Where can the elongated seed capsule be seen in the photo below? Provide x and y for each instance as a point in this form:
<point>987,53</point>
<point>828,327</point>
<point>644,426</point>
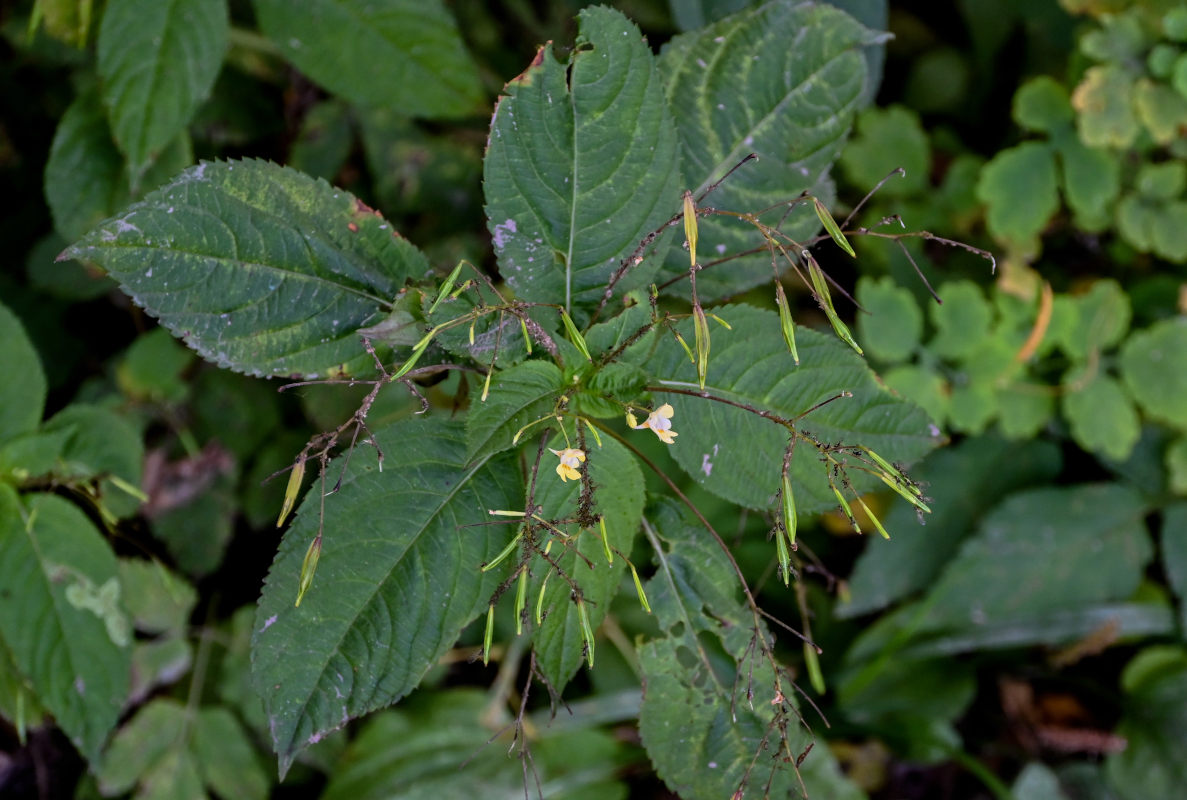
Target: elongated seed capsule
<point>605,540</point>
<point>812,662</point>
<point>506,551</point>
<point>826,302</point>
<point>783,555</point>
<point>521,595</point>
<point>873,519</point>
<point>308,567</point>
<point>830,225</point>
<point>789,515</point>
<point>890,468</point>
<point>845,507</point>
<point>540,598</point>
<point>700,327</point>
<point>527,340</point>
<point>909,496</point>
<point>785,322</point>
<point>690,227</point>
<point>489,634</point>
<point>684,344</point>
<point>447,286</point>
<point>575,335</point>
<point>292,489</point>
<point>586,631</point>
<point>486,384</point>
<point>639,587</point>
<point>597,436</point>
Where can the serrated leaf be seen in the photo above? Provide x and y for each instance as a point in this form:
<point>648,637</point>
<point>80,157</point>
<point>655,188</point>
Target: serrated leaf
<point>892,329</point>
<point>150,369</point>
<point>619,496</point>
<point>1155,226</point>
<point>22,394</point>
<point>922,386</point>
<point>1091,180</point>
<point>609,388</point>
<point>887,139</point>
<point>783,80</point>
<point>51,559</point>
<point>158,62</point>
<point>1102,418</point>
<point>964,481</point>
<point>700,728</point>
<point>257,267</point>
<point>157,600</point>
<point>404,54</point>
<point>1019,187</point>
<point>738,455</point>
<point>518,396</point>
<point>142,746</point>
<point>1097,320</point>
<point>1161,109</point>
<point>1154,368</point>
<point>399,578</point>
<point>1024,408</point>
<point>582,164</point>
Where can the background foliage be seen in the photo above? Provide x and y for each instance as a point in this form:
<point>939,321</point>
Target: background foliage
<point>1026,642</point>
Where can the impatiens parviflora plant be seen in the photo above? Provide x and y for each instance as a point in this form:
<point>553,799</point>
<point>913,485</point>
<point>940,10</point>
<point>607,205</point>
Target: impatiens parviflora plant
<point>416,528</point>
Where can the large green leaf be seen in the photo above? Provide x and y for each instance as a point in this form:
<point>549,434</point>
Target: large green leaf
<point>98,445</point>
<point>582,164</point>
<point>258,267</point>
<point>158,61</point>
<point>403,54</point>
<point>618,495</point>
<point>443,748</point>
<point>398,579</point>
<point>783,80</point>
<point>963,482</point>
<point>60,617</point>
<point>1154,725</point>
<point>22,395</point>
<point>518,396</point>
<point>738,455</point>
<point>701,728</point>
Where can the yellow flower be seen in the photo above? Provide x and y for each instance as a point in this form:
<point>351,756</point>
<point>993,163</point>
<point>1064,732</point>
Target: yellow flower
<point>571,458</point>
<point>660,421</point>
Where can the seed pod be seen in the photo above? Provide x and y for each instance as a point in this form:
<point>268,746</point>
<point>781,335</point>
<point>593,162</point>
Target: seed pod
<point>830,225</point>
<point>820,286</point>
<point>308,567</point>
<point>701,329</point>
<point>785,322</point>
<point>296,475</point>
<point>789,516</point>
<point>575,335</point>
<point>690,227</point>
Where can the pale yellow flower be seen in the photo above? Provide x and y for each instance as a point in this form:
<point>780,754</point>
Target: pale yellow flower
<point>571,458</point>
<point>660,421</point>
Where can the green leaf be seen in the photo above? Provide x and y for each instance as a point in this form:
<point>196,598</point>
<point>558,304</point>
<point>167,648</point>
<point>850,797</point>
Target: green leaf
<point>1155,226</point>
<point>146,751</point>
<point>22,395</point>
<point>1161,109</point>
<point>157,62</point>
<point>1154,368</point>
<point>518,396</point>
<point>158,663</point>
<point>324,141</point>
<point>1024,408</point>
<point>887,139</point>
<point>563,212</point>
<point>736,454</point>
<point>404,54</point>
<point>1091,181</point>
<point>99,445</point>
<point>226,757</point>
<point>609,388</point>
<point>1037,782</point>
<point>1099,320</point>
<point>1162,181</point>
<point>1154,725</point>
<point>1019,188</point>
<point>962,321</point>
<point>1102,417</point>
<point>442,747</point>
<point>1042,104</point>
<point>1174,554</point>
<point>783,80</point>
<point>258,267</point>
<point>1176,465</point>
<point>964,481</point>
<point>921,386</point>
<point>700,728</point>
<point>619,496</point>
<point>399,578</point>
<point>150,370</point>
<point>892,329</point>
<point>932,689</point>
<point>1103,101</point>
<point>60,620</point>
<point>157,600</point>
